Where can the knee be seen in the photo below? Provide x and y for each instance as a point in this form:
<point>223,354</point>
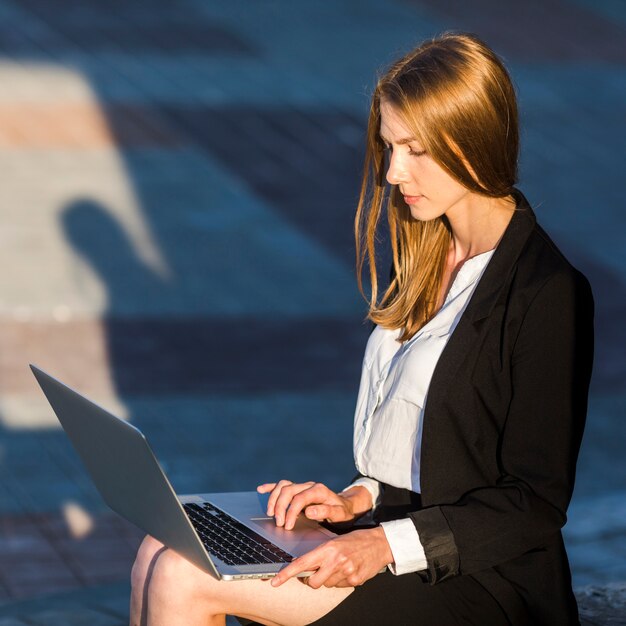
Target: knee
<point>176,581</point>
<point>145,555</point>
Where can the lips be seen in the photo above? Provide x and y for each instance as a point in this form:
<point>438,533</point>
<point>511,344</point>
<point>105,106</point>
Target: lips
<point>412,199</point>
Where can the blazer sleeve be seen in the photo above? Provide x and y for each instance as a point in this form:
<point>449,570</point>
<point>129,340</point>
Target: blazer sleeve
<point>550,371</point>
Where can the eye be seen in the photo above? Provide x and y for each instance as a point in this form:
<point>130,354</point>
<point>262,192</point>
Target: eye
<point>416,153</point>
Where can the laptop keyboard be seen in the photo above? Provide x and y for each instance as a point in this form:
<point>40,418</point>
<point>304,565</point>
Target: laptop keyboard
<point>230,540</point>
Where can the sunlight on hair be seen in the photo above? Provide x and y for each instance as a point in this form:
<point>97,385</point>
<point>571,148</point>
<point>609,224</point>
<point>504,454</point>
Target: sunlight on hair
<point>466,120</point>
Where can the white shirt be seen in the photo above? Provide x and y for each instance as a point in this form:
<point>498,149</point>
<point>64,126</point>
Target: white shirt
<point>390,406</point>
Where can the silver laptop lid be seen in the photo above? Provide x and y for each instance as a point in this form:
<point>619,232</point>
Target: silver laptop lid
<point>125,470</point>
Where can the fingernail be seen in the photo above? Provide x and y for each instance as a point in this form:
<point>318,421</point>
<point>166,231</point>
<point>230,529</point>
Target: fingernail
<point>279,521</point>
<point>312,511</point>
<point>275,582</point>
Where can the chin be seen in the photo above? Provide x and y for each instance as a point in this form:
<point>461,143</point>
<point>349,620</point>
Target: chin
<point>421,216</point>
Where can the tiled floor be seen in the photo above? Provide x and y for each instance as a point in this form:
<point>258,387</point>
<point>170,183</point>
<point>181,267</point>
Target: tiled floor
<point>40,554</point>
<point>177,186</point>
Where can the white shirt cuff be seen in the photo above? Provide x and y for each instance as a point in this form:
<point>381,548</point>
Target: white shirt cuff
<point>373,486</point>
<point>406,547</point>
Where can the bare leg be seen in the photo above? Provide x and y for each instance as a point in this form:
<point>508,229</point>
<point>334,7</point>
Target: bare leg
<point>170,591</point>
<point>141,574</point>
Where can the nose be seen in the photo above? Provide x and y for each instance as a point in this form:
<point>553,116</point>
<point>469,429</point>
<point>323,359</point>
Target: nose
<point>396,172</point>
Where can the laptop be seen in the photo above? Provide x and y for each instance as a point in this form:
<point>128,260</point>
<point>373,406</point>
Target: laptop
<point>228,535</point>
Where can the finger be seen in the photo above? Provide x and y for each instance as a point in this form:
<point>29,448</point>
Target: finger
<point>330,512</point>
<point>305,563</point>
<point>340,584</point>
<point>284,500</point>
<point>274,495</point>
<point>311,495</point>
<point>319,578</point>
<point>265,487</point>
<point>338,579</point>
<point>318,511</point>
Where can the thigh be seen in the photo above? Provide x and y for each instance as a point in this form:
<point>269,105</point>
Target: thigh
<point>176,581</point>
<point>407,600</point>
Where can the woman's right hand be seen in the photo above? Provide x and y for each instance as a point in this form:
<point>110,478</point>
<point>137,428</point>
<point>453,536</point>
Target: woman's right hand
<point>287,500</point>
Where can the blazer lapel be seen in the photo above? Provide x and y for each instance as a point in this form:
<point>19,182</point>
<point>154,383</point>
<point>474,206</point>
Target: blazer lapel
<point>496,277</point>
<point>492,286</point>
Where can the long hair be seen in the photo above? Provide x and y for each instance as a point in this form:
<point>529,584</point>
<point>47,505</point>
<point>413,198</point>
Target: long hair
<point>456,96</point>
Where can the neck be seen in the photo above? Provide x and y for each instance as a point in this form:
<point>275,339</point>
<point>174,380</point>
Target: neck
<point>478,225</point>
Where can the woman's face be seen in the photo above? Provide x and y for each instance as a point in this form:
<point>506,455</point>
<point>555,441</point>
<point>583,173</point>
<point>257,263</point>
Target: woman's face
<point>428,189</point>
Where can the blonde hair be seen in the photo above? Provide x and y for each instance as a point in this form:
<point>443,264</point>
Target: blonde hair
<point>456,96</point>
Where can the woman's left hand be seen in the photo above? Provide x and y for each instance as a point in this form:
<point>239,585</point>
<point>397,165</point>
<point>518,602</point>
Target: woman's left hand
<point>346,561</point>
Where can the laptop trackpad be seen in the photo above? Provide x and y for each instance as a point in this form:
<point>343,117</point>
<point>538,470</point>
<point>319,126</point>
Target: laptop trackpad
<point>297,541</point>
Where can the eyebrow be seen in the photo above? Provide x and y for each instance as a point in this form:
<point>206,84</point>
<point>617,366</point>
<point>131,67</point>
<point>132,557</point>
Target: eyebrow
<point>400,142</point>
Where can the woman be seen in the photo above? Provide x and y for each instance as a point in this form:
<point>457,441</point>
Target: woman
<point>473,392</point>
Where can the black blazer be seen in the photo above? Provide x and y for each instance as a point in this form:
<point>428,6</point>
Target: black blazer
<point>503,422</point>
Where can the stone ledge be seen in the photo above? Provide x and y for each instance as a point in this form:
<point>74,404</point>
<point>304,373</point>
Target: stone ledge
<point>602,605</point>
